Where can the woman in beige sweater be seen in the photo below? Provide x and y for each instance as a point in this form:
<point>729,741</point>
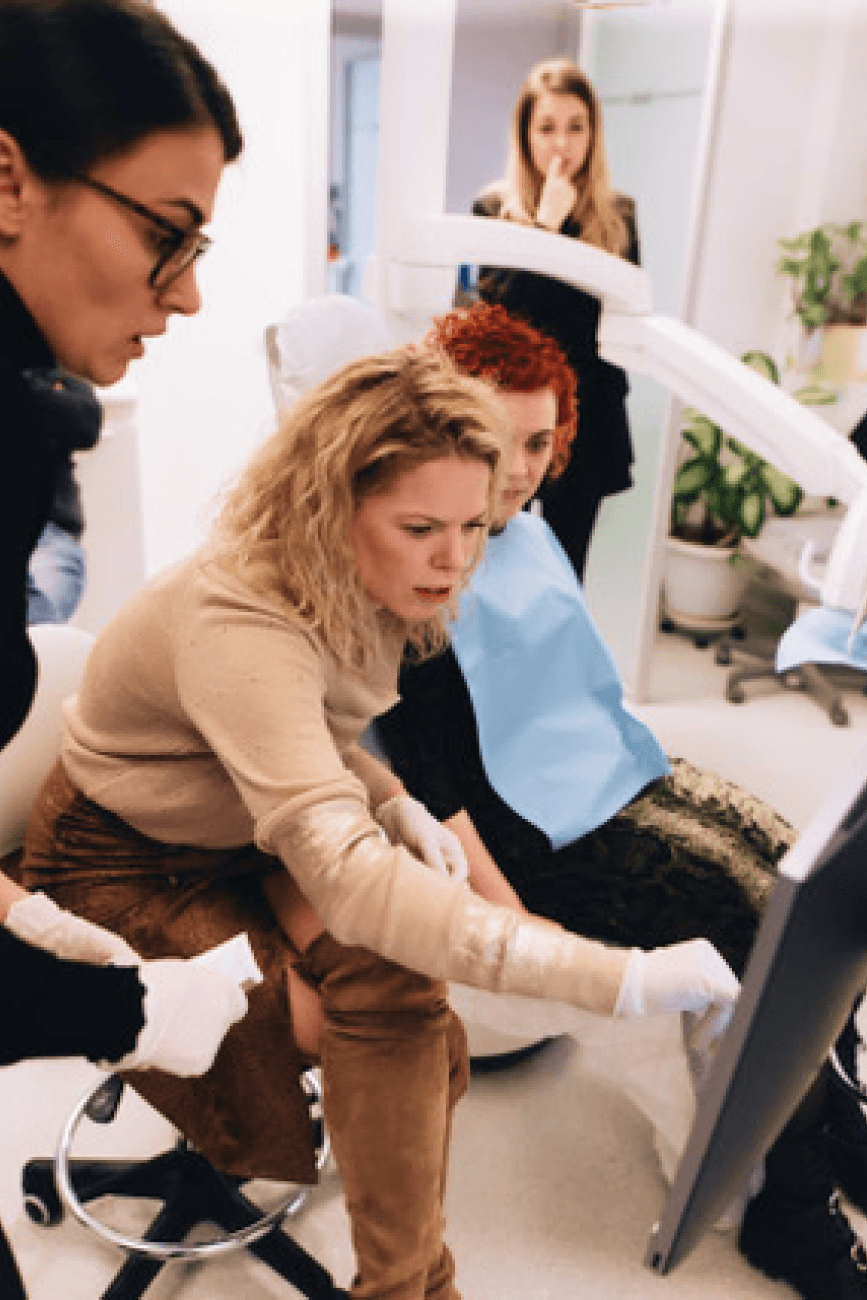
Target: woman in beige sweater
<point>212,781</point>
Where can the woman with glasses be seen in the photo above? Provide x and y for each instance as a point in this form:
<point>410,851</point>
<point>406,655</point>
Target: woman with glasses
<point>114,132</point>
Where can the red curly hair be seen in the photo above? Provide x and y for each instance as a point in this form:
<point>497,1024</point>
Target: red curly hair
<point>486,341</point>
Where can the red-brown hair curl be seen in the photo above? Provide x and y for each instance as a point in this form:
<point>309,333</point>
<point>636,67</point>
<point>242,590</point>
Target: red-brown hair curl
<point>488,342</point>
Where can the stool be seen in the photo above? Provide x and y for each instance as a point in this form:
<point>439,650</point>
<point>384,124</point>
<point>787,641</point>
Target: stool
<point>192,1191</point>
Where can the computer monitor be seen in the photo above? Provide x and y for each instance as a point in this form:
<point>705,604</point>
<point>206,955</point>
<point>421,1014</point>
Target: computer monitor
<point>808,964</point>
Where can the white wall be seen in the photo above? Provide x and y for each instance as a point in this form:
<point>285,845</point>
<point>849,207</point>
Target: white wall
<point>497,42</point>
<point>791,151</point>
<point>203,396</point>
<point>653,71</point>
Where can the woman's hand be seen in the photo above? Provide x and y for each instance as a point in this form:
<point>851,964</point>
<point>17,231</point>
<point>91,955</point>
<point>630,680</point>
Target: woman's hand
<point>37,919</point>
<point>189,1007</point>
<point>689,976</point>
<point>406,821</point>
<point>558,197</point>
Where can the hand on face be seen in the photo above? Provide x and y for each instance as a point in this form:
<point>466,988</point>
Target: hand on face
<point>558,196</point>
<point>558,139</point>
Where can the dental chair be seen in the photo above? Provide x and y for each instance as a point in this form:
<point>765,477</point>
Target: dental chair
<point>190,1189</point>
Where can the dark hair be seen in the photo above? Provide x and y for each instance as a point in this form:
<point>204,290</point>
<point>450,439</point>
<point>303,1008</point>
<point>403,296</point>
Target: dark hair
<point>81,80</point>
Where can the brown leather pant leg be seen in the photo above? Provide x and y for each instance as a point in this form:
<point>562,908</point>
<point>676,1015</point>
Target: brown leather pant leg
<point>393,1064</point>
<point>441,1278</point>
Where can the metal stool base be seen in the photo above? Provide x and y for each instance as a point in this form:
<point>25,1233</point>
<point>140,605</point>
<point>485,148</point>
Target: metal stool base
<point>192,1192</point>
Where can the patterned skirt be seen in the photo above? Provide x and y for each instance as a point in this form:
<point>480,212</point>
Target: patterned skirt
<point>693,856</point>
<point>248,1114</point>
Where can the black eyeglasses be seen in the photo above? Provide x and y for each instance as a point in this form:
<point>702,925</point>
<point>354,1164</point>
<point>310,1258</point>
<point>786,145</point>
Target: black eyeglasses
<point>180,247</point>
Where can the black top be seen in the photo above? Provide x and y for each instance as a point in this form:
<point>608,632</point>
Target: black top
<point>48,1007</point>
<point>601,460</point>
<point>432,743</point>
<point>44,415</point>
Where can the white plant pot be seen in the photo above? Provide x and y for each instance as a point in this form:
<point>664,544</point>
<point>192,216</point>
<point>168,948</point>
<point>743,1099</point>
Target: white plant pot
<point>837,354</point>
<point>703,586</point>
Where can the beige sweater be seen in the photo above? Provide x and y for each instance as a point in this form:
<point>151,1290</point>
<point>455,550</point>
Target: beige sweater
<point>210,716</point>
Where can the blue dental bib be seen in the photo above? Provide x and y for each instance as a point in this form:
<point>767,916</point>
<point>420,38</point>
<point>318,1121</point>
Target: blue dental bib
<point>557,743</point>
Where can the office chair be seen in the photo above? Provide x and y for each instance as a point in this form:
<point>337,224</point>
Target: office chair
<point>777,551</point>
<point>192,1190</point>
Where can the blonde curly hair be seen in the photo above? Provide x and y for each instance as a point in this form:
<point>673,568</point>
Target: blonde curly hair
<point>285,526</point>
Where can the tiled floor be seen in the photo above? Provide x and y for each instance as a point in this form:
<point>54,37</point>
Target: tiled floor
<point>554,1181</point>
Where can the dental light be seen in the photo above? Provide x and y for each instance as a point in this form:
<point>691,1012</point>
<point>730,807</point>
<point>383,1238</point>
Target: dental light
<point>421,248</point>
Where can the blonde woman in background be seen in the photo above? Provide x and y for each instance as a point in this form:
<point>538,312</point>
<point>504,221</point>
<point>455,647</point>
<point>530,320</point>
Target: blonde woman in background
<point>557,178</point>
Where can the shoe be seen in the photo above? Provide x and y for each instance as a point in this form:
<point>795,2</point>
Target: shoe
<point>845,1125</point>
<point>810,1246</point>
<point>846,1142</point>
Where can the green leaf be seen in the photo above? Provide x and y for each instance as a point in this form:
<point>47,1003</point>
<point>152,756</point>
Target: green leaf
<point>856,282</point>
<point>815,395</point>
<point>704,435</point>
<point>813,314</point>
<point>796,244</point>
<point>693,477</point>
<point>785,494</point>
<point>762,364</point>
<point>734,476</point>
<point>751,515</point>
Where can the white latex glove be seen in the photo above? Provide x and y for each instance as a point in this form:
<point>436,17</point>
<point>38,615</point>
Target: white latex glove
<point>689,976</point>
<point>406,821</point>
<point>557,198</point>
<point>189,1007</point>
<point>38,920</point>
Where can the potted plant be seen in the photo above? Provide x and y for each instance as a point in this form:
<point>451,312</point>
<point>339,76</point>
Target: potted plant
<point>722,492</point>
<point>828,270</point>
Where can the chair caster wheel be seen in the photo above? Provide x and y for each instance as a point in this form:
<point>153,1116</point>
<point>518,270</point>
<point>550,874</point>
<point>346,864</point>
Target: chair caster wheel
<point>723,655</point>
<point>103,1104</point>
<point>839,716</point>
<point>41,1200</point>
<point>701,642</point>
<point>735,695</point>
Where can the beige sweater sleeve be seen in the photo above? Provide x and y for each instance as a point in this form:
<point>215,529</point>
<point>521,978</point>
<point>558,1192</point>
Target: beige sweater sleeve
<point>257,695</point>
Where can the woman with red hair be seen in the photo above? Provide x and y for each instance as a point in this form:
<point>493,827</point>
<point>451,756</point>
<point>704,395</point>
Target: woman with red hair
<point>517,738</point>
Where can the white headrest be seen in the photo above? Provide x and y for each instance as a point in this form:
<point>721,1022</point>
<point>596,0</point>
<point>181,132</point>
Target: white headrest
<point>320,335</point>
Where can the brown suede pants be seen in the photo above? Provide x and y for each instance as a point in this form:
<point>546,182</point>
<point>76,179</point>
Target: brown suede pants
<point>393,1054</point>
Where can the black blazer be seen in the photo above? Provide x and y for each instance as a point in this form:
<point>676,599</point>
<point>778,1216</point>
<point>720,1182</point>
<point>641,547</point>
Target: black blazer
<point>603,446</point>
<point>44,415</point>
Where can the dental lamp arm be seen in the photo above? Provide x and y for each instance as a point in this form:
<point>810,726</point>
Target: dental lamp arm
<point>447,241</point>
<point>765,419</point>
<point>744,403</point>
<point>416,275</point>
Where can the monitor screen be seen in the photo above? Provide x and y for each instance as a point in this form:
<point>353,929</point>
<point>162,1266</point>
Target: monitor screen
<point>808,964</point>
